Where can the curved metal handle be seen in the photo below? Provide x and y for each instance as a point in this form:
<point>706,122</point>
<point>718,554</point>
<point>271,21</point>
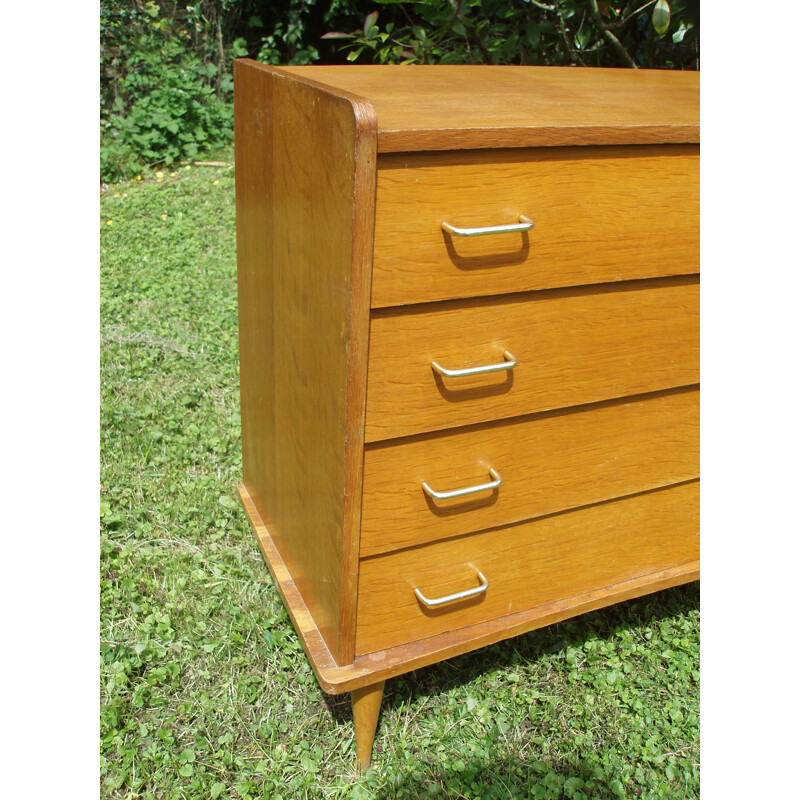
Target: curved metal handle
<point>481,487</point>
<point>524,224</point>
<point>438,601</point>
<point>509,363</point>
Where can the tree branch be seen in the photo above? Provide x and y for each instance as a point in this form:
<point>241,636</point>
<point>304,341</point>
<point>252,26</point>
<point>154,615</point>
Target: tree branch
<point>634,13</point>
<point>562,29</point>
<point>615,43</point>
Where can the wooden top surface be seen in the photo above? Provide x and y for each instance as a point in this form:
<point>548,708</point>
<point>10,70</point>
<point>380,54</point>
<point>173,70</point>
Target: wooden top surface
<point>447,107</point>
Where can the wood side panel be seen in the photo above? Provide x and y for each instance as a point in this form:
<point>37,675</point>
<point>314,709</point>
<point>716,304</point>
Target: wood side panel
<point>369,668</point>
<point>305,161</point>
<point>600,214</point>
<point>572,346</point>
<point>445,107</point>
<point>526,565</point>
<point>548,463</point>
<point>314,643</point>
<point>363,221</point>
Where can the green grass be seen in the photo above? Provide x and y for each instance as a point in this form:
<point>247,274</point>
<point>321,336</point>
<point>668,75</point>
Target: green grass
<point>205,689</point>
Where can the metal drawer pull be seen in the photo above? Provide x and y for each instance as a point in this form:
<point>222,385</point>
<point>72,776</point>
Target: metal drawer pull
<point>524,224</point>
<point>481,487</point>
<point>438,601</point>
<point>509,363</point>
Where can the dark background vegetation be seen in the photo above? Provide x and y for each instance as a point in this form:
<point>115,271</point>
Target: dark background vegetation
<point>166,80</point>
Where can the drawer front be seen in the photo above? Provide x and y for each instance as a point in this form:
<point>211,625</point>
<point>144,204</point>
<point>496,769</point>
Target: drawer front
<point>526,565</point>
<point>546,463</point>
<point>600,214</point>
<point>571,346</point>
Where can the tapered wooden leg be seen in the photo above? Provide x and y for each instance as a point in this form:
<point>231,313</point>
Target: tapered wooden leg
<point>366,707</point>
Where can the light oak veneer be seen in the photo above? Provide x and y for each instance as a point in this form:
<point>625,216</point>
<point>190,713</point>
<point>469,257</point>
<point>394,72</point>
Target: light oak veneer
<point>380,665</point>
<point>600,214</point>
<point>527,565</point>
<point>349,289</point>
<point>460,107</point>
<point>572,346</point>
<point>305,162</point>
<point>548,462</point>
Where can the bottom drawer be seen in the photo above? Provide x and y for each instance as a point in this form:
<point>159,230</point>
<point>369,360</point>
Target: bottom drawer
<point>525,565</point>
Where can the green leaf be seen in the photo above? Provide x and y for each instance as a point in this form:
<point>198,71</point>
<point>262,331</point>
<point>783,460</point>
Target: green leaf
<point>679,34</point>
<point>187,756</point>
<point>217,789</point>
<point>616,787</point>
<point>661,16</point>
<point>533,33</point>
<point>369,22</point>
<point>308,765</point>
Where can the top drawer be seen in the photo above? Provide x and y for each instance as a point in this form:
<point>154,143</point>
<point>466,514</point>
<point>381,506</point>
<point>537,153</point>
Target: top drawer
<point>600,214</point>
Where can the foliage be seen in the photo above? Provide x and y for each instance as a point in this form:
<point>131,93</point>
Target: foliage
<point>166,84</point>
<point>205,691</point>
<point>161,100</point>
<point>173,113</point>
<point>166,70</point>
<point>562,32</point>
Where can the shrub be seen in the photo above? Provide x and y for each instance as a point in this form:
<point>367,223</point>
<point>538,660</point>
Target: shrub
<point>173,113</point>
<point>594,33</point>
<point>162,97</point>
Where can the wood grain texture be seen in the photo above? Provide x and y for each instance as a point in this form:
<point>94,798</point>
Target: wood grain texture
<point>306,180</point>
<point>305,167</point>
<point>384,664</point>
<point>548,462</point>
<point>453,107</point>
<point>572,346</point>
<point>314,643</point>
<point>600,214</point>
<point>366,702</point>
<point>527,565</point>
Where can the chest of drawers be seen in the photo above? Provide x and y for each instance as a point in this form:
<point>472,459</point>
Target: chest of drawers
<point>469,351</point>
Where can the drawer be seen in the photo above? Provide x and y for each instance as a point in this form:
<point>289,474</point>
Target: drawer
<point>571,346</point>
<point>526,565</point>
<point>546,463</point>
<point>599,214</point>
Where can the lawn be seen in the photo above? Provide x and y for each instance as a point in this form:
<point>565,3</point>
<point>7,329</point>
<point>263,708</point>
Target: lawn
<point>205,690</point>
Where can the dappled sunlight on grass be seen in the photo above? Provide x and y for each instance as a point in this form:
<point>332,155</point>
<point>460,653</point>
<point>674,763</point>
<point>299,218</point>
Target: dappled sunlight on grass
<point>206,692</point>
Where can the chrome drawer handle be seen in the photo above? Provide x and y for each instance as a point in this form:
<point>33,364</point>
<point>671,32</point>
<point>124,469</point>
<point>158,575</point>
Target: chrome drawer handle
<point>438,601</point>
<point>481,487</point>
<point>524,224</point>
<point>509,363</point>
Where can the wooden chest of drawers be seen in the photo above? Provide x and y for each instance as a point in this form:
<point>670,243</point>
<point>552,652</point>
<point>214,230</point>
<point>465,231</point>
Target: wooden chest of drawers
<point>452,435</point>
